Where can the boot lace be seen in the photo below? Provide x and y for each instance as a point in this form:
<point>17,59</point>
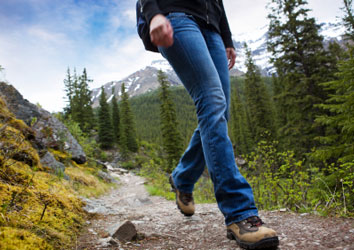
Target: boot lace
<point>186,198</point>
<point>255,221</point>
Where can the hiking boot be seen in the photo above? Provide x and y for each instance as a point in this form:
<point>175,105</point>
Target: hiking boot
<point>184,201</point>
<point>250,234</point>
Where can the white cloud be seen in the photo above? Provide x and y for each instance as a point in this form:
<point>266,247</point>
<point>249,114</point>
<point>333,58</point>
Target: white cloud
<point>130,15</point>
<point>120,60</point>
<point>246,16</point>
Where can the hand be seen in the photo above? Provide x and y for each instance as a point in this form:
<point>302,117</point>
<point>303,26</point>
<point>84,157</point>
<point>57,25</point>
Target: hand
<point>231,56</point>
<point>161,31</point>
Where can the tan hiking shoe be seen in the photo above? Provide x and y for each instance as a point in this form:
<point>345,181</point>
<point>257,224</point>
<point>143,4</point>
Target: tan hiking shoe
<point>250,234</point>
<point>184,201</point>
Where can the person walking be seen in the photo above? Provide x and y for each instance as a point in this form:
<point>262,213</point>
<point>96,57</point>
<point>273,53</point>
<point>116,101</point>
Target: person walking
<point>195,38</point>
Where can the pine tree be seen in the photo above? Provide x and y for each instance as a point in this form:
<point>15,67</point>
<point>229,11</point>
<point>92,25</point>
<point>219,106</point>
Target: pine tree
<point>302,64</point>
<point>348,19</point>
<point>86,113</point>
<point>79,100</point>
<point>115,117</point>
<point>258,101</point>
<point>69,89</point>
<point>241,135</point>
<point>105,129</point>
<point>171,139</point>
<point>338,144</point>
<point>127,127</point>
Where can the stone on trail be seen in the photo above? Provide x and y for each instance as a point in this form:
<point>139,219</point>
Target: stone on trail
<point>126,232</point>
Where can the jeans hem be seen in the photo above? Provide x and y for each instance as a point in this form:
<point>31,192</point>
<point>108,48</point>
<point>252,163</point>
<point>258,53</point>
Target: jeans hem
<point>180,189</point>
<point>242,217</point>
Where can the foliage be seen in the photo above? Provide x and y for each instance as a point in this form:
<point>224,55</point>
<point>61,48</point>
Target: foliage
<point>115,118</point>
<point>348,19</point>
<point>105,128</point>
<point>240,132</point>
<point>333,190</point>
<point>127,125</point>
<point>338,144</point>
<point>88,144</point>
<point>302,64</point>
<point>336,148</point>
<point>258,102</point>
<point>171,139</point>
<point>152,167</point>
<point>79,100</point>
<point>277,178</point>
<point>146,110</point>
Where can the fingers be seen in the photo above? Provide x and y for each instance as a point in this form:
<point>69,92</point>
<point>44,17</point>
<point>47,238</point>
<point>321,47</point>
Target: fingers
<point>161,31</point>
<point>231,56</point>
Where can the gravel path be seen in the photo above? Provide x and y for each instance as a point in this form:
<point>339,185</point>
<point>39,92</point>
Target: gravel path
<point>161,226</point>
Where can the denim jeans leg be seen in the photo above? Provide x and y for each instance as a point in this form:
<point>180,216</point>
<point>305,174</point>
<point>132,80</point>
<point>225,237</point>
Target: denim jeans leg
<point>195,56</point>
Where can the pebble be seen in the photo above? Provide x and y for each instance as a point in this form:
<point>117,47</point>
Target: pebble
<point>193,218</point>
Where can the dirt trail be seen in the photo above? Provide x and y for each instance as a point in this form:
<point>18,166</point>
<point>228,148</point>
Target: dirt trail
<point>165,228</point>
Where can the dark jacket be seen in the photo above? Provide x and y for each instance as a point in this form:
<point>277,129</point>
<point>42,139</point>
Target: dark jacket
<point>209,13</point>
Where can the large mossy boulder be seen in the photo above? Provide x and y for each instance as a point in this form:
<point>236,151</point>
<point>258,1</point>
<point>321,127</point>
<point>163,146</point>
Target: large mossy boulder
<point>49,132</point>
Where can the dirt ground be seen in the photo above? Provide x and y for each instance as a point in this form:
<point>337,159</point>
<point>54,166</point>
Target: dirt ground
<point>161,225</point>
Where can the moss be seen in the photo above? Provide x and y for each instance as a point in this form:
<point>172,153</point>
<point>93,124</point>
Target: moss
<point>86,183</point>
<point>35,206</point>
<point>38,210</point>
<point>15,239</point>
<point>62,157</point>
<point>15,146</point>
<point>46,205</point>
<point>7,117</point>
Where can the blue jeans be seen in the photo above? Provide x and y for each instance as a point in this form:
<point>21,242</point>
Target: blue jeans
<point>198,57</point>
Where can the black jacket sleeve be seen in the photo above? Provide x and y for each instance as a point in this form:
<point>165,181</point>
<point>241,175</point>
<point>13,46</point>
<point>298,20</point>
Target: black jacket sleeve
<point>150,9</point>
<point>225,29</point>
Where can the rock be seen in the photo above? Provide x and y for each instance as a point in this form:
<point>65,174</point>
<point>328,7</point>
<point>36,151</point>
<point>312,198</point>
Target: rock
<point>49,131</point>
<point>240,161</point>
<point>49,161</point>
<point>126,232</point>
<point>119,170</point>
<point>106,177</point>
<point>113,242</point>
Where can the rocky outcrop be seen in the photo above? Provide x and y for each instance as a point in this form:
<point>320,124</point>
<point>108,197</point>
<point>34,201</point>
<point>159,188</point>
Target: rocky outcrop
<point>49,160</point>
<point>49,131</point>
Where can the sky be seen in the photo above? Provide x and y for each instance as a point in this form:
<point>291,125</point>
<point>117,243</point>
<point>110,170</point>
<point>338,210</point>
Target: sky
<point>41,39</point>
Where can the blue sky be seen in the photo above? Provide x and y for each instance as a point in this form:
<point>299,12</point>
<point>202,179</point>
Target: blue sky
<point>39,39</point>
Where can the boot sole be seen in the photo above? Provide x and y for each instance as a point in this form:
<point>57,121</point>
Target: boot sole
<point>267,243</point>
<point>173,189</point>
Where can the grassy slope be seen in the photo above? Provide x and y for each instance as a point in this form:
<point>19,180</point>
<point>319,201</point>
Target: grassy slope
<point>39,210</point>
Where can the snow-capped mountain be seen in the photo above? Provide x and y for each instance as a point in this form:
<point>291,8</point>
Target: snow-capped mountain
<point>140,82</point>
<point>145,80</point>
<point>257,43</point>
